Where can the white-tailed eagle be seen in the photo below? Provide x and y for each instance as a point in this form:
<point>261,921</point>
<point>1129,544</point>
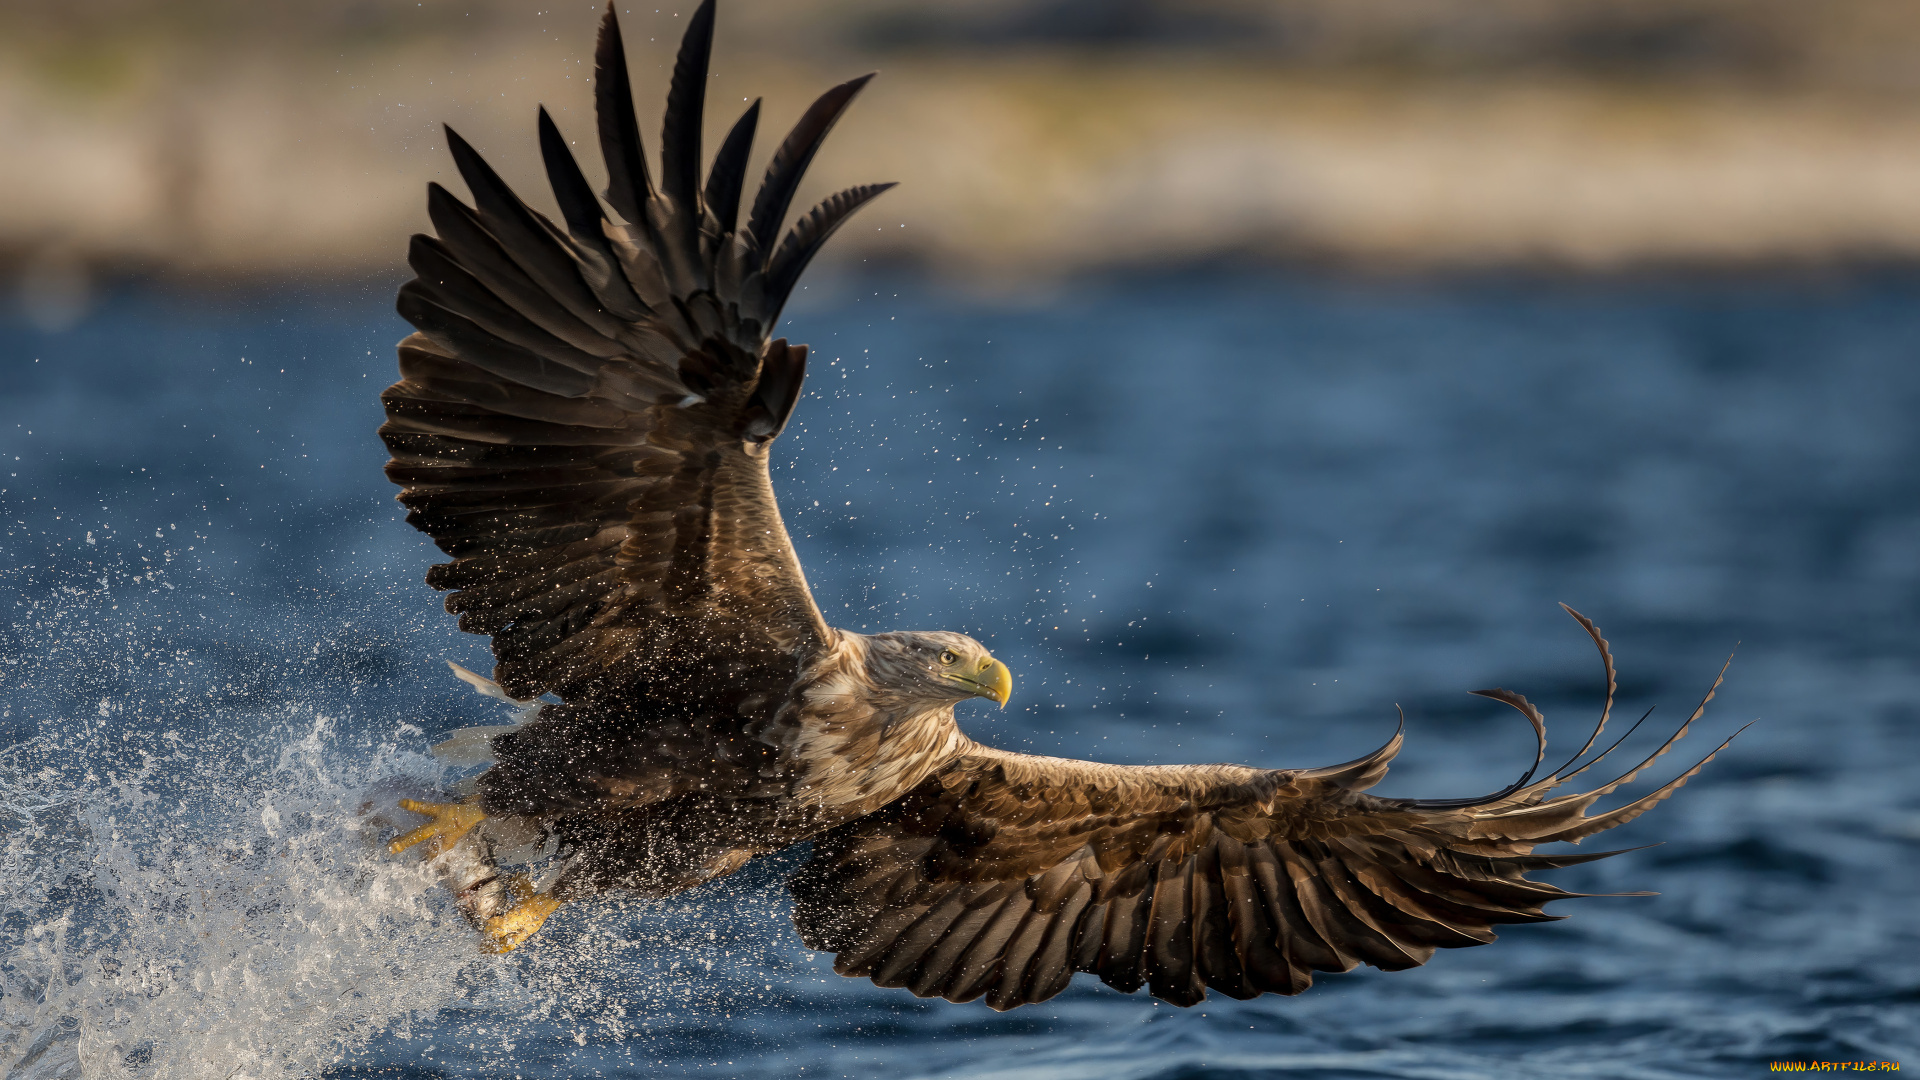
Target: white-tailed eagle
<point>584,422</point>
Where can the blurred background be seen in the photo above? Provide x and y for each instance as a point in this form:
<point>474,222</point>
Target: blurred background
<point>1237,371</point>
<point>226,138</point>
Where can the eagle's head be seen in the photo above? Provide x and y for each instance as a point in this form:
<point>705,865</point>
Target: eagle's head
<point>936,668</point>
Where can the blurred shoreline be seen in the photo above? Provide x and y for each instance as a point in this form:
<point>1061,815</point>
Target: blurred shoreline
<point>211,143</point>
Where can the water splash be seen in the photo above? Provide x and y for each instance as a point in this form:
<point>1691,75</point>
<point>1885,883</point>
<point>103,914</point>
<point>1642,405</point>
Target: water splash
<point>203,910</point>
<point>194,884</point>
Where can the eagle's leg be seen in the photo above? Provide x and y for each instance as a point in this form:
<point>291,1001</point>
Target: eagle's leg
<point>451,821</point>
<point>504,907</point>
<point>511,929</point>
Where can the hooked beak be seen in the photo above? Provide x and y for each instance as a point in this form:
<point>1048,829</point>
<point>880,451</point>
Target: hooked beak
<point>992,681</point>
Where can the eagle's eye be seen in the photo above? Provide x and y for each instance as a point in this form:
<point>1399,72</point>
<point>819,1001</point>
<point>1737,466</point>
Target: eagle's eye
<point>948,658</point>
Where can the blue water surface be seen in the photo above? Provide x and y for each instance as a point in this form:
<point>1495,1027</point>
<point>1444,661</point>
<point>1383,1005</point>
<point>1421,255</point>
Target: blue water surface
<point>1204,517</point>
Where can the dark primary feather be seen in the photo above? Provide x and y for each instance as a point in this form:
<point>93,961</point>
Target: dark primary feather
<point>806,236</point>
<point>582,421</point>
<point>628,185</point>
<point>587,241</point>
<point>1003,874</point>
<point>487,352</point>
<point>790,162</point>
<point>528,239</point>
<point>1613,686</point>
<point>1525,708</point>
<point>450,285</point>
<point>477,251</point>
<point>686,98</point>
<point>676,217</point>
<point>570,188</point>
<point>729,175</point>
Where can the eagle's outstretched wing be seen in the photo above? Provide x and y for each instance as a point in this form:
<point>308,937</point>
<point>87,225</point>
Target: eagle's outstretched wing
<point>1004,874</point>
<point>584,415</point>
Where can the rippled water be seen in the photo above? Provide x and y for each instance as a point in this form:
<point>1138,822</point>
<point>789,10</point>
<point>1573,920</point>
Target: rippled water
<point>1203,518</point>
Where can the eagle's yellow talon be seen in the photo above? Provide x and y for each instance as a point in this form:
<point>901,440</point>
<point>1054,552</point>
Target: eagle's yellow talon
<point>451,821</point>
<point>510,930</point>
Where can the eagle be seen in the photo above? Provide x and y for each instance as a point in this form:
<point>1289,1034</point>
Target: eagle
<point>584,422</point>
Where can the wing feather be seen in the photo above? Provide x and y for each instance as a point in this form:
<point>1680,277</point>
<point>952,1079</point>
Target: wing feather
<point>809,233</point>
<point>447,283</point>
<point>1020,871</point>
<point>591,249</point>
<point>686,100</point>
<point>476,250</point>
<point>728,178</point>
<point>629,187</point>
<point>791,160</point>
<point>528,238</point>
<point>584,416</point>
<point>1051,967</point>
<point>678,215</point>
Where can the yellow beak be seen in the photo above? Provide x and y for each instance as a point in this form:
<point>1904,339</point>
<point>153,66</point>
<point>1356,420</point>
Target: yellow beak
<point>992,681</point>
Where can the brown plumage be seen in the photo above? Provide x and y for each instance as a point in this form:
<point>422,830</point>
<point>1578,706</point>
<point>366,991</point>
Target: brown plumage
<point>584,423</point>
<point>1003,874</point>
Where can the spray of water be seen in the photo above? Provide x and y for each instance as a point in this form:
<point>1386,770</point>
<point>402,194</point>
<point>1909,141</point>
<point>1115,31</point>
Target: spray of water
<point>191,911</point>
<point>196,886</point>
